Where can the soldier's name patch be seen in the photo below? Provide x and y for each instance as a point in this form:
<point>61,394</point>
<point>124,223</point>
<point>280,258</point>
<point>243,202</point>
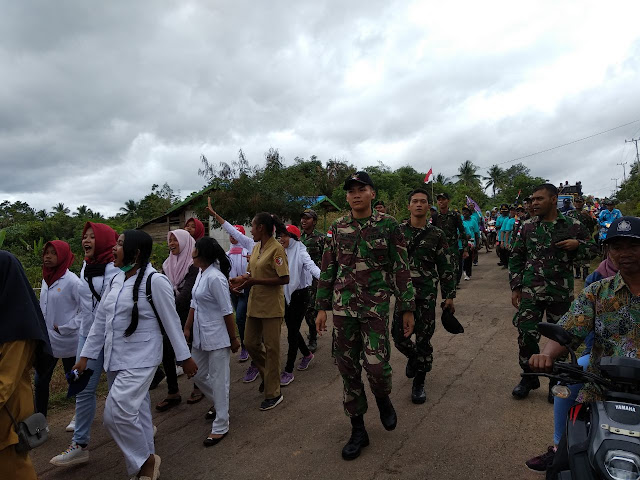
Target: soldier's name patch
<point>279,260</point>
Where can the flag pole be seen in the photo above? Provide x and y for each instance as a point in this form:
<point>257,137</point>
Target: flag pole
<point>432,197</point>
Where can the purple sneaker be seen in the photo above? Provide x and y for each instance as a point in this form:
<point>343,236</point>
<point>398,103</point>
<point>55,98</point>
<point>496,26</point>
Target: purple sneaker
<point>286,378</point>
<point>304,363</point>
<point>251,375</point>
<point>244,355</point>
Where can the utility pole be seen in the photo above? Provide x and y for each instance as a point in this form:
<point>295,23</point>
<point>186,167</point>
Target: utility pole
<point>635,140</point>
<point>616,190</point>
<point>624,175</point>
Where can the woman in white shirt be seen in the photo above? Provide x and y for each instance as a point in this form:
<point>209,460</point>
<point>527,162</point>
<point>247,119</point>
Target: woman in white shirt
<point>59,303</point>
<point>214,331</point>
<point>127,327</point>
<point>296,294</point>
<point>97,271</point>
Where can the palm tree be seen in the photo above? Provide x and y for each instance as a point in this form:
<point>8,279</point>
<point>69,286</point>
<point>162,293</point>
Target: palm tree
<point>60,208</point>
<point>494,179</point>
<point>130,208</point>
<point>467,174</point>
<point>83,211</point>
<point>440,178</point>
<point>42,215</point>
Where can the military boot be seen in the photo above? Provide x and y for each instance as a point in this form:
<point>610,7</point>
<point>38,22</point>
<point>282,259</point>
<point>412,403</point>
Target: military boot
<point>418,395</point>
<point>410,371</point>
<point>585,272</point>
<point>525,386</point>
<point>388,415</point>
<point>577,269</point>
<point>359,439</point>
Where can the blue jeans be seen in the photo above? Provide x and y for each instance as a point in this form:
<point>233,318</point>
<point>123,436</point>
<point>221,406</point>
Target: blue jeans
<point>86,399</point>
<point>240,305</point>
<point>561,406</point>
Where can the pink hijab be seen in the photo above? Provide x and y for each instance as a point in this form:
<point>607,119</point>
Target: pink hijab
<point>175,267</point>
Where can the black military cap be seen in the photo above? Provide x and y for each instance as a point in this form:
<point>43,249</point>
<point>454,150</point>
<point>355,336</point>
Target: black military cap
<point>442,195</point>
<point>309,213</point>
<point>359,177</point>
<point>504,206</point>
<point>378,202</point>
<point>450,322</point>
<point>608,202</point>
<point>627,227</point>
<point>466,208</point>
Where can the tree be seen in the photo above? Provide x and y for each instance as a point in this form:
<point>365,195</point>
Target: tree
<point>467,174</point>
<point>494,178</point>
<point>60,208</point>
<point>42,215</point>
<point>83,211</point>
<point>130,208</point>
<point>441,179</point>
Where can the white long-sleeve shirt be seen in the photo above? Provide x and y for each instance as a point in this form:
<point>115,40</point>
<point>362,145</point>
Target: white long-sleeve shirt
<point>211,302</point>
<point>301,268</point>
<point>243,240</point>
<point>143,348</point>
<point>88,303</point>
<point>59,304</point>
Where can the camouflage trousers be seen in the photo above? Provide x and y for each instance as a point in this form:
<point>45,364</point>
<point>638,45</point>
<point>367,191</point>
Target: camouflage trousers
<point>526,320</point>
<point>425,325</point>
<point>311,312</point>
<point>362,342</point>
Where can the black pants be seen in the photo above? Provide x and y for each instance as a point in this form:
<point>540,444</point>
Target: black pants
<point>43,378</point>
<point>504,256</point>
<point>293,315</point>
<point>467,264</point>
<point>560,460</point>
<point>169,364</point>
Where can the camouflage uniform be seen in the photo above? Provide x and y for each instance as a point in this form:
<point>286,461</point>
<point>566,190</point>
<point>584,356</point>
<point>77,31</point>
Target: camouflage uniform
<point>431,253</point>
<point>590,223</point>
<point>315,244</point>
<point>451,224</point>
<point>363,264</point>
<point>544,274</point>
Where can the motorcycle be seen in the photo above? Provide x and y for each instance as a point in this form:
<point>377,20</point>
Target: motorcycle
<point>491,232</point>
<point>603,437</point>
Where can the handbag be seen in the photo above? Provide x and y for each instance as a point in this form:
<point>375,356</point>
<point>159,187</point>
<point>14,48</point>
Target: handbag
<point>32,432</point>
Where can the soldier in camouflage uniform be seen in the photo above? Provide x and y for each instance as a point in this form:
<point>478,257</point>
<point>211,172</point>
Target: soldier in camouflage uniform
<point>540,272</point>
<point>590,223</point>
<point>363,264</point>
<point>429,261</point>
<point>313,239</point>
<point>451,224</point>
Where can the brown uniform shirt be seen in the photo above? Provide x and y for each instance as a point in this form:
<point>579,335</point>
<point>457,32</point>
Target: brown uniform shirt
<point>267,301</point>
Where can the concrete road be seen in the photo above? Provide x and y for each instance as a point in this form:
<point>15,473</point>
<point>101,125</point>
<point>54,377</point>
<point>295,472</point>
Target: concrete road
<point>470,427</point>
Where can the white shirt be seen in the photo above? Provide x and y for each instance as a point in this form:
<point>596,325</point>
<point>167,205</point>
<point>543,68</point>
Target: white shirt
<point>301,268</point>
<point>211,301</point>
<point>243,240</point>
<point>143,348</point>
<point>59,304</point>
<point>238,261</point>
<point>88,303</point>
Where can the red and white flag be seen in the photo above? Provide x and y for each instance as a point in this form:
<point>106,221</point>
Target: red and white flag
<point>428,175</point>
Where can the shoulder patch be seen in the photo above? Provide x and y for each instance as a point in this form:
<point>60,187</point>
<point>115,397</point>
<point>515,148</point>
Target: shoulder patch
<point>279,261</point>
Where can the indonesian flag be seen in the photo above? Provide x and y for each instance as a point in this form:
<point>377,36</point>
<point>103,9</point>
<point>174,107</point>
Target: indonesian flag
<point>428,175</point>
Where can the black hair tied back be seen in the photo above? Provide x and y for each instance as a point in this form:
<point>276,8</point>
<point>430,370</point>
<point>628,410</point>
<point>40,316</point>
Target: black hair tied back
<point>211,252</point>
<point>136,244</point>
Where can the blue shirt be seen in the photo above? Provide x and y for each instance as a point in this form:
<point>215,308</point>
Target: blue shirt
<point>471,227</point>
<point>507,226</point>
<point>607,216</point>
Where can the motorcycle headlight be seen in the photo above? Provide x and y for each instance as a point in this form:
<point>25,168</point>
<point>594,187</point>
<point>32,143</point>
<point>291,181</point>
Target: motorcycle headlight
<point>622,465</point>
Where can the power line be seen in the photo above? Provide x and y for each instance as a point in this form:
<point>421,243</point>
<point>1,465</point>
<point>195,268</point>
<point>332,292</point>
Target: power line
<point>564,144</point>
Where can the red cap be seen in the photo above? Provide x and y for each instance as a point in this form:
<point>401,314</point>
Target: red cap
<point>240,228</point>
<point>293,230</point>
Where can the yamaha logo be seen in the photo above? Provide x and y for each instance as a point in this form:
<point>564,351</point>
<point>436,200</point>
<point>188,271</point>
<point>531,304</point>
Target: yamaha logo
<point>624,226</point>
<point>627,408</point>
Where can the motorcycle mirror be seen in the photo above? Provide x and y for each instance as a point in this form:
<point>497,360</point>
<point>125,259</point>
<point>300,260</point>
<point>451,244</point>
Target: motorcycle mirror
<point>556,333</point>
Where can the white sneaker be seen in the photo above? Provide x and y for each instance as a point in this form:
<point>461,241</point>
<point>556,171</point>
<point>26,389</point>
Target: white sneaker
<point>72,425</point>
<point>73,455</point>
<point>467,277</point>
<point>155,430</point>
<point>179,371</point>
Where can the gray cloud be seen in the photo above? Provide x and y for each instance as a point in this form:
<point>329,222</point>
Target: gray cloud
<point>100,100</point>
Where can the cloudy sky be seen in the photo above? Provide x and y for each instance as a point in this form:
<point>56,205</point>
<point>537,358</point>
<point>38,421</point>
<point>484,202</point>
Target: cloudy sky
<point>99,100</point>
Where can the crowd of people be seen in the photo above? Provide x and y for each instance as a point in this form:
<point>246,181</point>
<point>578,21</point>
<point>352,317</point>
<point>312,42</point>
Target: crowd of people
<point>141,326</point>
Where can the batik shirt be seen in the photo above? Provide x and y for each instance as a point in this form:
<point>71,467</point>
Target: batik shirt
<point>609,309</point>
<point>363,264</point>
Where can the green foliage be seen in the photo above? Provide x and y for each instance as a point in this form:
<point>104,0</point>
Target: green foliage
<point>629,194</point>
<point>3,234</point>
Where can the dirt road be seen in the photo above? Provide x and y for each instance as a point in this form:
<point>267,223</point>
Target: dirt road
<point>470,427</point>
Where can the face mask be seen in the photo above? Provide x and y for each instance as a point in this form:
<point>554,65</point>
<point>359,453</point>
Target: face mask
<point>127,268</point>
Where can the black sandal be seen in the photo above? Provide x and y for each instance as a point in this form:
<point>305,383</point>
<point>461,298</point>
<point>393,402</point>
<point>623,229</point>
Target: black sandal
<point>210,442</point>
<point>211,414</point>
<point>168,403</point>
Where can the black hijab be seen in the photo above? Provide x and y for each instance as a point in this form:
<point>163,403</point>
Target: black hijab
<point>20,314</point>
